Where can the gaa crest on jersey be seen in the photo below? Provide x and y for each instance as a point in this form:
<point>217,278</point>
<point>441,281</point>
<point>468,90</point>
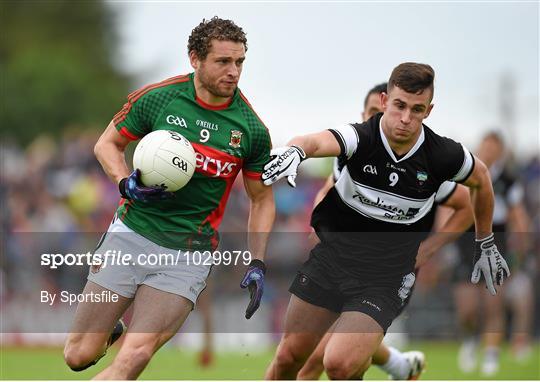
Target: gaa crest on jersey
<point>236,138</point>
<point>421,176</point>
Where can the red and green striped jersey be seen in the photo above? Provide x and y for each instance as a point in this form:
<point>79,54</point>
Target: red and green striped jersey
<point>226,139</point>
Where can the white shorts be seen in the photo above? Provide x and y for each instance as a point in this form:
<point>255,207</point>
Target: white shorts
<point>129,260</point>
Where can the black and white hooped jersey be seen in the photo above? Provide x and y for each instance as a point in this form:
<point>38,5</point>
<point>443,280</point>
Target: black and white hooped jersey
<point>444,192</point>
<point>379,191</point>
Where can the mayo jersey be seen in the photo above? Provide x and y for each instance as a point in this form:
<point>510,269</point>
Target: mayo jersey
<point>227,139</point>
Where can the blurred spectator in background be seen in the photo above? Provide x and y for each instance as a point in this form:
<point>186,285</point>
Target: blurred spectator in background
<point>509,216</point>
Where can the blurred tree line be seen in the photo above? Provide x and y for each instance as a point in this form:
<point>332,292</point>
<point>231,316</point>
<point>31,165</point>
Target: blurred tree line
<point>56,67</point>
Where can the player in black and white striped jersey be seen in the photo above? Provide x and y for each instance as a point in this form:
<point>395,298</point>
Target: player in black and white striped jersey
<point>371,225</point>
<point>399,365</point>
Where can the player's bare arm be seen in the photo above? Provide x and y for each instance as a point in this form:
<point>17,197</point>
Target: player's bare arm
<point>109,151</point>
<point>318,145</point>
<point>460,219</point>
<point>261,218</point>
<point>262,212</point>
<point>488,260</point>
<point>482,198</point>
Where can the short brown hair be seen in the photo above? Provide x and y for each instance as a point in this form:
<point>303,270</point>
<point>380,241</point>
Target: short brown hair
<point>223,30</point>
<point>412,77</point>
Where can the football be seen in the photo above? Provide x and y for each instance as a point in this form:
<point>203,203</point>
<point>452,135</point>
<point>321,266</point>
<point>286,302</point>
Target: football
<point>165,158</point>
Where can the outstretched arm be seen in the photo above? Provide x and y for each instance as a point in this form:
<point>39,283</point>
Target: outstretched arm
<point>317,145</point>
<point>285,160</point>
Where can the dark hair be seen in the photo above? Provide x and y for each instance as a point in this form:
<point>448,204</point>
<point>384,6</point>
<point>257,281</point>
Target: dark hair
<point>219,29</point>
<point>377,89</point>
<point>412,77</point>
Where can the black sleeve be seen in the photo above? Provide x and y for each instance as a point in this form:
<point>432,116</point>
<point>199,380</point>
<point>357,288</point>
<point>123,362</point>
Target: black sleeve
<point>453,161</point>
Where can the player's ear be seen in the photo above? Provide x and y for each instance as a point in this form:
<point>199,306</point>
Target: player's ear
<point>194,60</point>
<point>430,107</point>
<point>384,100</point>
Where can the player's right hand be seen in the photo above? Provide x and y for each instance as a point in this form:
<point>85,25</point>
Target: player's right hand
<point>490,263</point>
<point>284,162</point>
<point>133,189</point>
<point>254,280</point>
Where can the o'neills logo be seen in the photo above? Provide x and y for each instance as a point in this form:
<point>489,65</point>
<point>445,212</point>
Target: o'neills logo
<point>214,163</point>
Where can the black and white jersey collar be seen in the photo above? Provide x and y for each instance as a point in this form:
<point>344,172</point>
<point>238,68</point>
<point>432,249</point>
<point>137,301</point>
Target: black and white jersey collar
<point>389,149</point>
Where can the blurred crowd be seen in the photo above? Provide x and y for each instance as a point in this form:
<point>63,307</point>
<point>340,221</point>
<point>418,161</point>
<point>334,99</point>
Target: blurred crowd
<point>57,188</point>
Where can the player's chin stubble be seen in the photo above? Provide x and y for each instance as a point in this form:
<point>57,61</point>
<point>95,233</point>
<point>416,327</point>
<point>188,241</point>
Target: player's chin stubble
<point>213,87</point>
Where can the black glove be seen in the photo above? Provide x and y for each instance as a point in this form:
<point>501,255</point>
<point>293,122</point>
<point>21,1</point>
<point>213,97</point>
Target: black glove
<point>132,188</point>
<point>254,281</point>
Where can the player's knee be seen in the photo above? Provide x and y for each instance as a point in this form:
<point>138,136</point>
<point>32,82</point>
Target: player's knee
<point>284,358</point>
<point>289,356</point>
<point>336,369</point>
<point>77,358</point>
<point>343,368</point>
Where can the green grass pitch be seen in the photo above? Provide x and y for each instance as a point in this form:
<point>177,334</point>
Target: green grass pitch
<point>173,363</point>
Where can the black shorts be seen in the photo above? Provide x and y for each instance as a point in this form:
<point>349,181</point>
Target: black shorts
<point>326,284</point>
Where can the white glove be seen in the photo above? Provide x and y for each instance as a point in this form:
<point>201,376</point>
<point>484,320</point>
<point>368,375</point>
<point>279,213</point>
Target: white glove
<point>284,162</point>
<point>490,263</point>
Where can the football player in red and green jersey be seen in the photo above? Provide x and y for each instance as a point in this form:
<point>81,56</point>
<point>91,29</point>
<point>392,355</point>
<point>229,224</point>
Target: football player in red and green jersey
<point>209,110</point>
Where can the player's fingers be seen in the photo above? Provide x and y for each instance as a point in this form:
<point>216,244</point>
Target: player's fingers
<point>252,306</point>
<point>269,164</point>
<point>506,269</point>
<point>269,181</point>
<point>476,274</point>
<point>493,269</point>
<point>255,301</point>
<point>266,175</point>
<point>163,195</point>
<point>501,275</point>
<point>489,283</point>
<point>291,180</point>
<point>157,193</point>
<point>500,278</point>
<point>277,151</point>
<point>245,282</point>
